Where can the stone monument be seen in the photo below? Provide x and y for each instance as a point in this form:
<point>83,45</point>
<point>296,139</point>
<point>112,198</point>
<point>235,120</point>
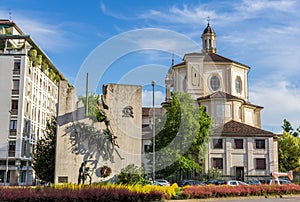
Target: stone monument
<point>105,146</point>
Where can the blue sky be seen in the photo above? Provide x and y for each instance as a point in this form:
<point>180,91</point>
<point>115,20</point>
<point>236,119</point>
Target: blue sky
<point>262,34</point>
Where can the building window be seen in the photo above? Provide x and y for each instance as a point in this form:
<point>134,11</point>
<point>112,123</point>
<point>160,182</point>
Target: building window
<point>12,148</point>
<point>260,163</point>
<point>215,83</point>
<point>217,143</point>
<point>217,163</point>
<point>238,84</point>
<point>14,107</point>
<point>14,104</point>
<point>147,148</point>
<point>17,67</point>
<point>238,144</point>
<point>13,125</point>
<point>260,144</point>
<point>15,87</point>
<point>16,84</point>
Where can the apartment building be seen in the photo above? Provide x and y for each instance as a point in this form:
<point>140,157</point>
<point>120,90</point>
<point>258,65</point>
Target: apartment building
<point>29,94</point>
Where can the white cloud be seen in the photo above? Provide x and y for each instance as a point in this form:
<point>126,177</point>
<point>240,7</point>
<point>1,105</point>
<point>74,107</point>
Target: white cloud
<point>185,14</point>
<point>49,36</point>
<point>259,5</point>
<point>147,98</point>
<point>280,101</point>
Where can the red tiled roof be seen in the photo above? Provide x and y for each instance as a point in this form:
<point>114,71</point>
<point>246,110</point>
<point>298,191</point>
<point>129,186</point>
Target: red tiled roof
<point>220,94</point>
<point>213,57</point>
<point>234,128</point>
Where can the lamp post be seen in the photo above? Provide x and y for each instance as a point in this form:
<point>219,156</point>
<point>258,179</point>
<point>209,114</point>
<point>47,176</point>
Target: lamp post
<point>153,130</point>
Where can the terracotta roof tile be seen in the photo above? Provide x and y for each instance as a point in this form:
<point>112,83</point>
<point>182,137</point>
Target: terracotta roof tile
<point>220,94</point>
<point>234,128</point>
<point>213,57</point>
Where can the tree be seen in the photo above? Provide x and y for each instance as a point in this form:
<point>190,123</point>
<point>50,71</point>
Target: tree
<point>94,102</point>
<point>181,142</point>
<point>289,152</point>
<point>44,154</point>
<point>287,127</point>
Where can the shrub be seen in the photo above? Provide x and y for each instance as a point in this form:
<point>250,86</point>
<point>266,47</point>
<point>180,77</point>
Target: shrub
<point>230,191</point>
<point>131,175</point>
<point>77,193</point>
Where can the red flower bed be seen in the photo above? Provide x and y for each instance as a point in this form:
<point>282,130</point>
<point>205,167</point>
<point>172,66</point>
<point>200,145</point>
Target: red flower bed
<point>229,191</point>
<point>84,194</point>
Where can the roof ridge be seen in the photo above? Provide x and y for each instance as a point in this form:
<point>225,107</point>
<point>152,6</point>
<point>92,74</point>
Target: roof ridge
<point>222,94</point>
<point>223,57</point>
<point>243,129</point>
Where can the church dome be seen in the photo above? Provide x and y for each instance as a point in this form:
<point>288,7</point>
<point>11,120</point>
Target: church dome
<point>208,30</point>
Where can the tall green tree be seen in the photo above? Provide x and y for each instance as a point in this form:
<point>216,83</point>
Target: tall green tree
<point>182,137</point>
<point>289,152</point>
<point>287,127</point>
<point>44,153</point>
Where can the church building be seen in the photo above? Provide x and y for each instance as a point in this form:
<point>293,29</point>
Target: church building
<point>239,148</point>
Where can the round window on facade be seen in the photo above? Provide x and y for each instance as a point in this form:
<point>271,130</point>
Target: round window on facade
<point>215,83</point>
<point>238,84</point>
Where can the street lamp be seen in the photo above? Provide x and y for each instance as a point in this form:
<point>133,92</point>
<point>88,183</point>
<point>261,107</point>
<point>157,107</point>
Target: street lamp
<point>153,130</point>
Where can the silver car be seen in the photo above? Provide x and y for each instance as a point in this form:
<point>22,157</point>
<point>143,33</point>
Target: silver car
<point>161,182</point>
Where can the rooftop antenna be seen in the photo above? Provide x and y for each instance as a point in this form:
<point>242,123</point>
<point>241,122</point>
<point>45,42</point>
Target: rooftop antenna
<point>9,14</point>
<point>172,59</point>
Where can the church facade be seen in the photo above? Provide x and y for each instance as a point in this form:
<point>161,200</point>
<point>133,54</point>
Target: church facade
<point>239,148</point>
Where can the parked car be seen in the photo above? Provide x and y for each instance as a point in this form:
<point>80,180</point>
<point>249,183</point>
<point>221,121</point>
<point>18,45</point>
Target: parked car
<point>253,182</point>
<point>161,182</point>
<point>235,183</point>
<point>211,182</point>
<point>190,182</point>
<point>281,181</point>
<point>215,182</point>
